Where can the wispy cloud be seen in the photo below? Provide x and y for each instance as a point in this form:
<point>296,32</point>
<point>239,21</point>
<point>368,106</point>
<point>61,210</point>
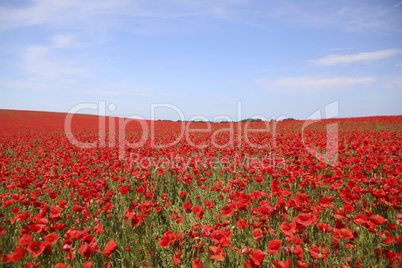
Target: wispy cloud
<point>335,59</point>
<point>226,98</point>
<point>114,93</point>
<point>44,61</point>
<point>307,84</point>
<point>40,61</point>
<point>62,40</point>
<point>140,16</point>
<point>105,15</point>
<point>392,82</point>
<point>398,5</point>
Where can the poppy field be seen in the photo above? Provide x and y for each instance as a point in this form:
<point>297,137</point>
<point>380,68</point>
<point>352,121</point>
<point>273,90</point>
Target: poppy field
<point>217,197</point>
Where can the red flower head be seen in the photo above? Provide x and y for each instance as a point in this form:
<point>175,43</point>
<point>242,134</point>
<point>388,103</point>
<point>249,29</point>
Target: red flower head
<point>110,247</point>
<point>257,256</point>
<point>227,211</point>
<point>378,220</point>
<point>124,189</point>
<point>274,246</point>
<point>257,233</point>
<point>241,224</point>
<point>324,228</point>
<point>305,219</point>
<point>288,228</point>
<point>167,238</point>
<point>217,253</point>
<point>36,248</point>
<point>18,254</point>
<point>196,264</point>
<point>51,238</point>
<point>282,264</point>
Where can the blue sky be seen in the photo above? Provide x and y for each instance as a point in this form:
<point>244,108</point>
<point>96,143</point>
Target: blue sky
<point>278,58</point>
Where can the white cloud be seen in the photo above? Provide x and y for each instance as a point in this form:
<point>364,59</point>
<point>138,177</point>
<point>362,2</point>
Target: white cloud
<point>308,84</point>
<point>226,98</point>
<point>104,15</point>
<point>56,13</point>
<point>62,40</point>
<point>114,92</point>
<point>335,59</point>
<point>41,62</point>
<point>397,5</point>
<point>392,82</point>
<point>143,16</point>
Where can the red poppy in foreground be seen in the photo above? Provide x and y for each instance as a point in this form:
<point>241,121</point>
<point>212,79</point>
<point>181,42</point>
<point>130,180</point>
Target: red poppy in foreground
<point>257,234</point>
<point>18,254</point>
<point>217,253</point>
<point>274,246</point>
<point>227,211</point>
<point>241,224</point>
<point>110,247</point>
<point>51,238</point>
<point>196,264</point>
<point>378,220</point>
<point>257,256</point>
<point>305,219</point>
<point>166,239</point>
<point>282,264</point>
<point>288,228</point>
<point>36,248</point>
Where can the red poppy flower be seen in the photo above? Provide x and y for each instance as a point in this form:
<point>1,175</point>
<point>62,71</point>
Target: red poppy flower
<point>300,264</point>
<point>241,224</point>
<point>274,246</point>
<point>187,206</point>
<point>18,254</point>
<point>257,256</point>
<point>31,265</point>
<point>36,248</point>
<point>217,253</point>
<point>324,228</point>
<point>386,237</point>
<point>347,209</point>
<point>55,213</point>
<point>378,220</point>
<point>209,204</point>
<point>77,208</point>
<point>196,264</point>
<point>51,238</point>
<point>221,237</point>
<point>167,238</point>
<point>305,219</point>
<point>25,239</point>
<point>88,249</point>
<point>288,228</point>
<point>60,265</point>
<point>282,264</point>
<point>110,247</point>
<point>227,211</point>
<point>257,233</point>
<point>317,253</point>
<point>176,258</point>
<point>199,211</point>
<point>21,217</point>
<point>88,264</point>
<point>360,219</point>
<point>297,251</point>
<point>124,189</point>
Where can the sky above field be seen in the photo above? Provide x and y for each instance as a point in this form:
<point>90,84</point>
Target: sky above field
<point>276,58</point>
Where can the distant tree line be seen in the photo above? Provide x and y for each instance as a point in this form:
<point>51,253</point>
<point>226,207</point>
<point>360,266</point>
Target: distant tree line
<point>242,121</point>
